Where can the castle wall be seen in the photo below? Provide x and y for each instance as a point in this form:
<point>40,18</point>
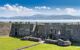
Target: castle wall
<point>47,30</point>
<point>5,29</point>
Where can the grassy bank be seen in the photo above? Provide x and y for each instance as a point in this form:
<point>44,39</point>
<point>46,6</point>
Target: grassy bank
<point>9,43</point>
<point>53,47</point>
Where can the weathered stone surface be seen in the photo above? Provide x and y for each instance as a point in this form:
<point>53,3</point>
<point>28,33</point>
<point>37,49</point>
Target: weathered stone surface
<point>51,41</point>
<point>34,39</point>
<point>48,31</point>
<point>5,29</point>
<point>64,43</point>
<point>20,30</point>
<point>25,38</point>
<point>75,36</point>
<point>31,38</point>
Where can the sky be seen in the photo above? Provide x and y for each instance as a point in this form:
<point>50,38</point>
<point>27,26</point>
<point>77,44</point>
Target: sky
<point>11,8</point>
<point>51,3</point>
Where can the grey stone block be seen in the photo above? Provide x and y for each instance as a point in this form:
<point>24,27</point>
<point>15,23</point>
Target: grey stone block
<point>31,39</point>
<point>51,41</point>
<point>63,43</point>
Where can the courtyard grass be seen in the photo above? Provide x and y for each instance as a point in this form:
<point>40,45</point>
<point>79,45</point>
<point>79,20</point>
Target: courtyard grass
<point>53,47</point>
<point>9,43</point>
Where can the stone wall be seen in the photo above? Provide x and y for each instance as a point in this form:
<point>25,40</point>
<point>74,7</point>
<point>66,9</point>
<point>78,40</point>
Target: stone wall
<point>47,30</point>
<point>5,29</point>
<point>20,30</point>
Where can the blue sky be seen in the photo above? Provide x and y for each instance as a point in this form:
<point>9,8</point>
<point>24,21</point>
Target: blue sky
<point>39,7</point>
<point>51,3</point>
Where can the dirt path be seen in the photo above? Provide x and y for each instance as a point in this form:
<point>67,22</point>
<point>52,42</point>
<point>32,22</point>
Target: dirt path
<point>27,46</point>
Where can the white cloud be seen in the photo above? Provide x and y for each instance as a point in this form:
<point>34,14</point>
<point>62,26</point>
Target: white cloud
<point>42,7</point>
<point>70,11</point>
<point>16,10</point>
<point>61,11</point>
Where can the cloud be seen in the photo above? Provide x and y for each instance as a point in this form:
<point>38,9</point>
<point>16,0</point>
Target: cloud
<point>42,7</point>
<point>72,11</point>
<point>16,10</point>
<point>61,11</point>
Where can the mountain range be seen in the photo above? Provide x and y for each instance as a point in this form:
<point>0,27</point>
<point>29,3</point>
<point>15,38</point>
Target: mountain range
<point>42,17</point>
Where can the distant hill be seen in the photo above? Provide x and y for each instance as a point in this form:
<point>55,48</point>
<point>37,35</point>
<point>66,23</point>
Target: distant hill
<point>42,17</point>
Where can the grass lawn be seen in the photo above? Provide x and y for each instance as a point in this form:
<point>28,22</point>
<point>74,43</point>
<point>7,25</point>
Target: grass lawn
<point>9,43</point>
<point>53,47</point>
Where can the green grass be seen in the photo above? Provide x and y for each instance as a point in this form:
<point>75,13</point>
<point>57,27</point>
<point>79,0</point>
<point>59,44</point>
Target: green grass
<point>53,47</point>
<point>9,43</point>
